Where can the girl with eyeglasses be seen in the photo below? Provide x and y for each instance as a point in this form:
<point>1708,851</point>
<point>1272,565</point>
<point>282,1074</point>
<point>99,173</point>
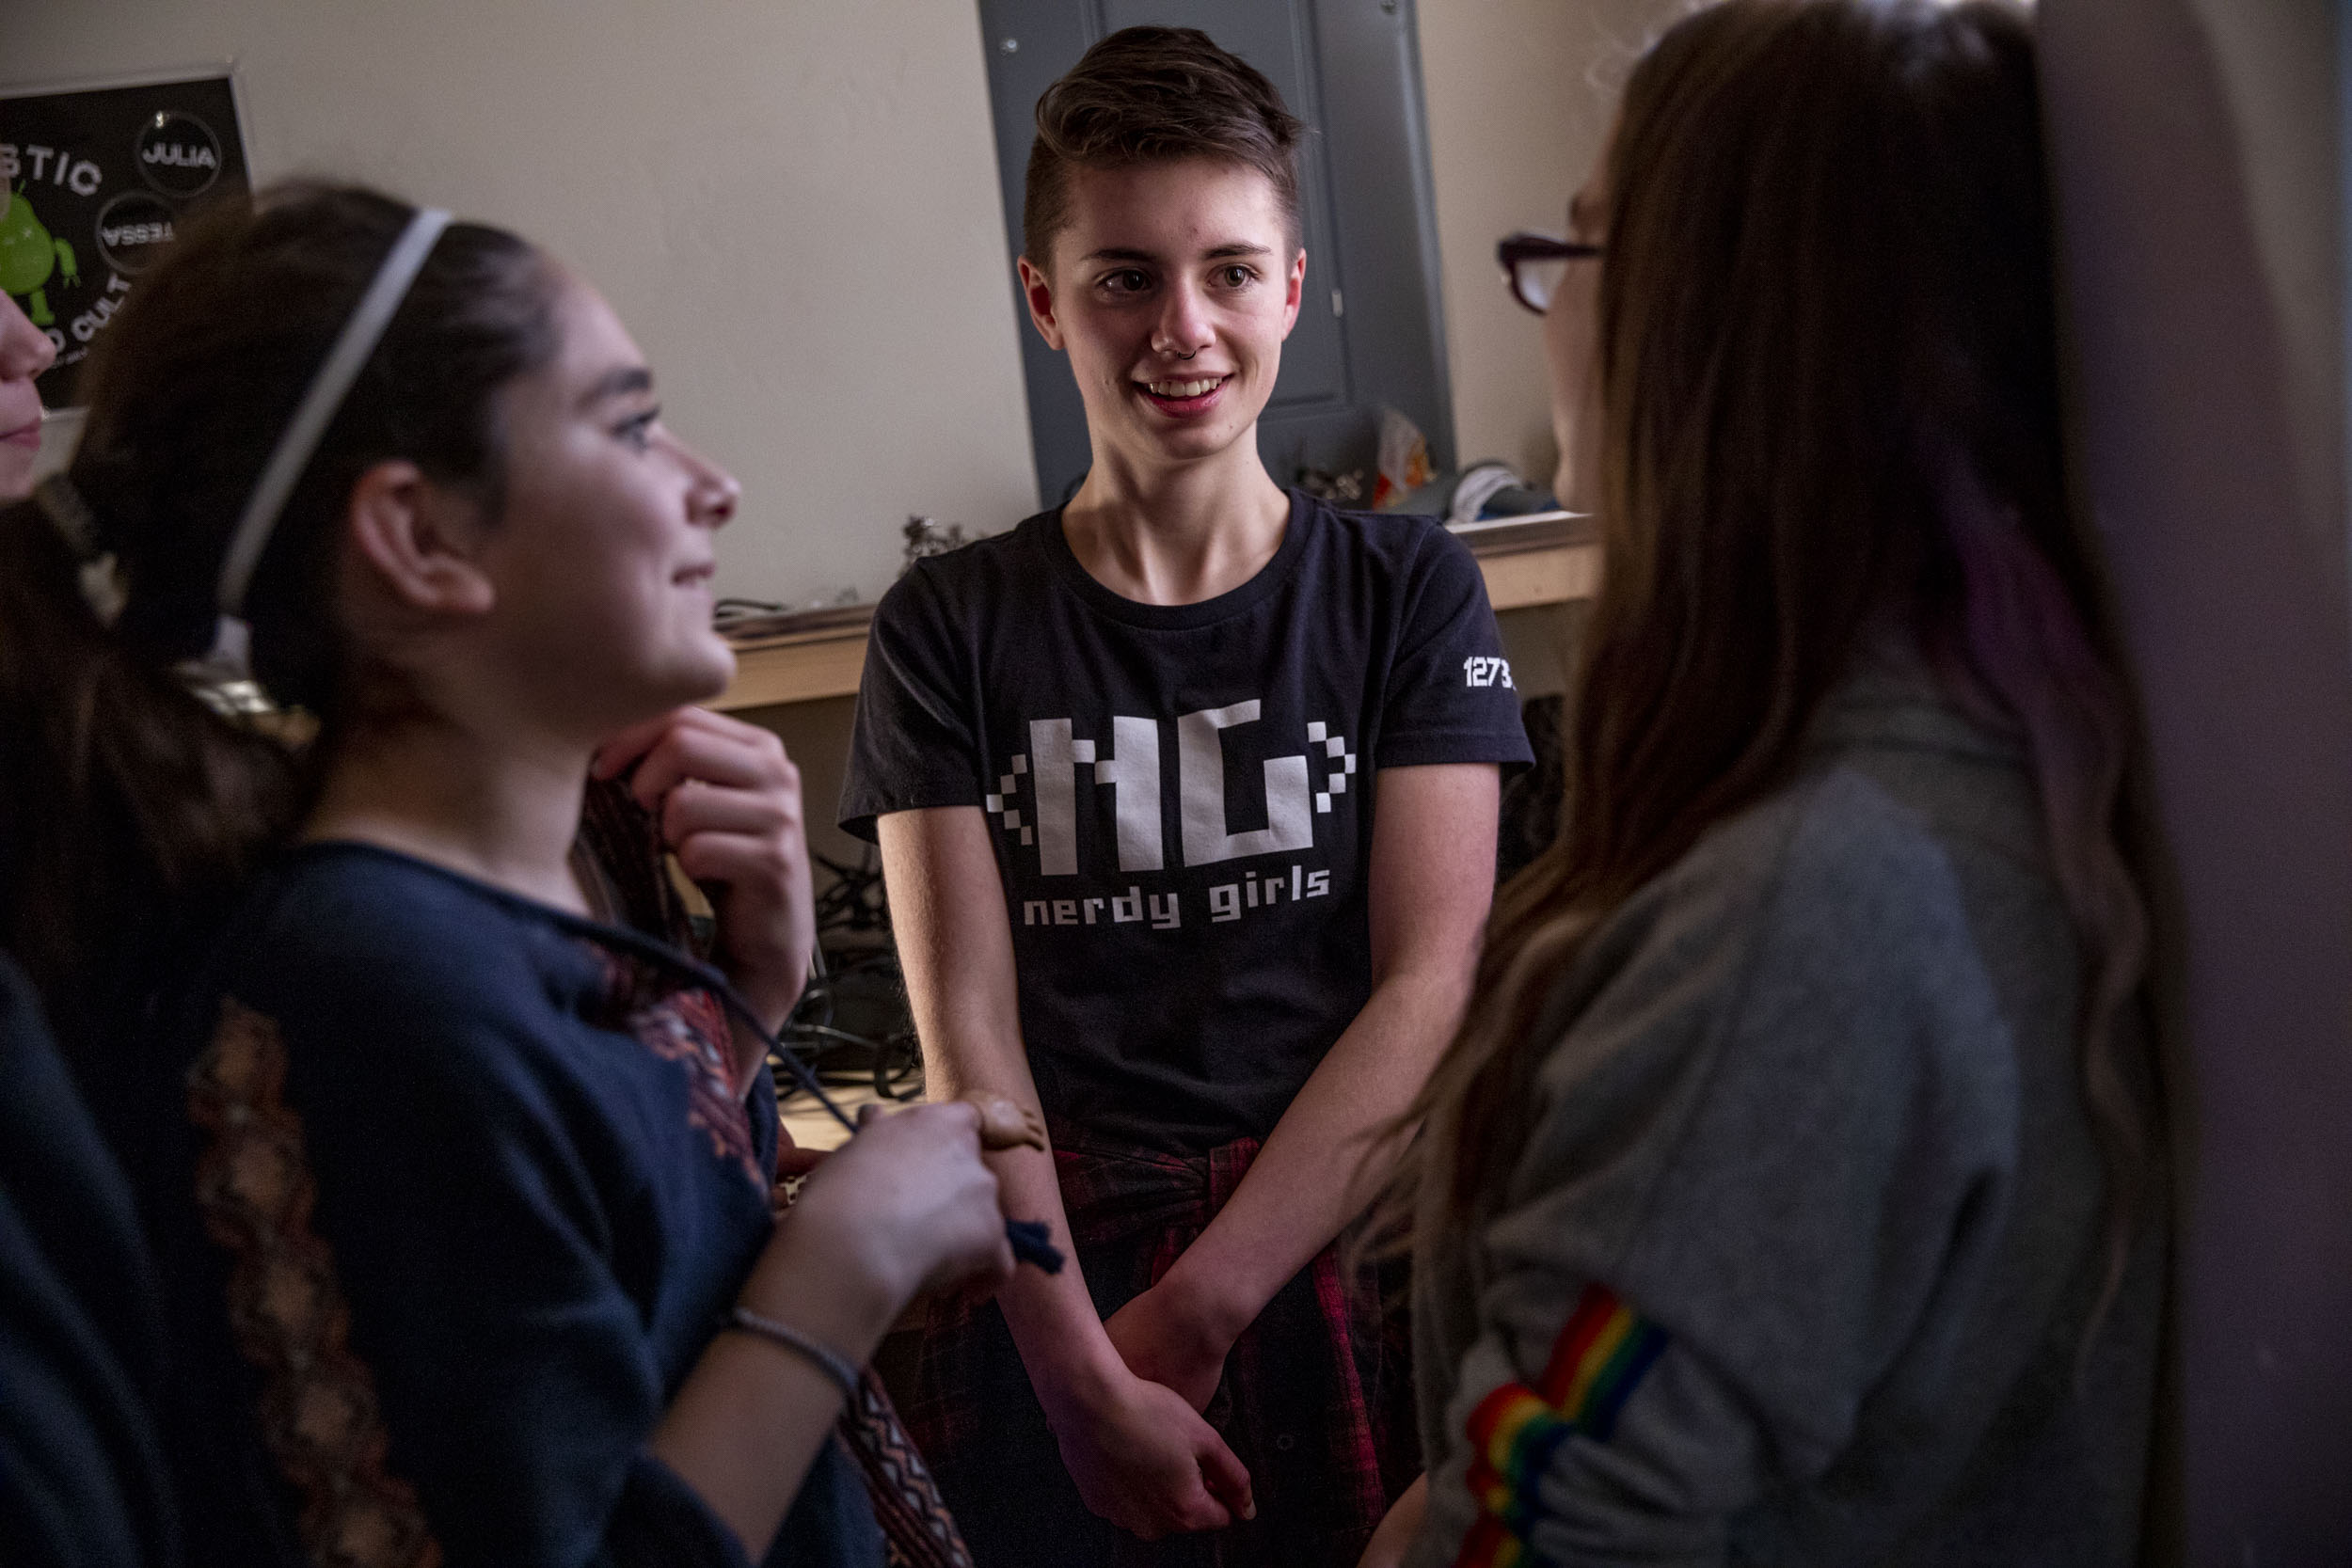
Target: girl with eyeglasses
<point>1793,1192</point>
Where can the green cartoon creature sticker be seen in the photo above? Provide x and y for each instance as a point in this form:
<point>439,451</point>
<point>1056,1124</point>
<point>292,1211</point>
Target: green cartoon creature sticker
<point>28,257</point>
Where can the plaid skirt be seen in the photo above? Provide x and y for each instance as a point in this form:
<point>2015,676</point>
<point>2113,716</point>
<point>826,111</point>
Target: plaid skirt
<point>1316,1398</point>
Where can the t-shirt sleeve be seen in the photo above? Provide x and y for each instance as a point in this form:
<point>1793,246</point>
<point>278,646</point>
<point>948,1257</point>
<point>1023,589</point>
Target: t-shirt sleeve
<point>1449,696</point>
<point>911,744</point>
<point>1757,1167</point>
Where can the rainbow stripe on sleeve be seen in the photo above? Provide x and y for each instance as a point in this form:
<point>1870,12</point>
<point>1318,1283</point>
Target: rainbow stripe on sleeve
<point>1598,1358</point>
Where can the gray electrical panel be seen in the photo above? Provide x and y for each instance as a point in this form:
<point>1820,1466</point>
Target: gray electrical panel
<point>1371,328</point>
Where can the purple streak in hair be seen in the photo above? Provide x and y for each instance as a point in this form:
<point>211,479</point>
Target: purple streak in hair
<point>2025,662</point>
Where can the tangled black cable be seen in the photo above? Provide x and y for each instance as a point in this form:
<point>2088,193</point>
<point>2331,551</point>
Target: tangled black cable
<point>851,1025</point>
<point>856,900</point>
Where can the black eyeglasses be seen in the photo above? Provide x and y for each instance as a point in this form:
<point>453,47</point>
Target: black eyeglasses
<point>1533,264</point>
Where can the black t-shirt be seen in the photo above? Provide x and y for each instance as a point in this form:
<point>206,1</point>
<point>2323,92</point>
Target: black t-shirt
<point>1180,795</point>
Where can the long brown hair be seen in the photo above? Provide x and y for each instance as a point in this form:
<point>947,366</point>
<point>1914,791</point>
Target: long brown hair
<point>124,799</point>
<point>1830,400</point>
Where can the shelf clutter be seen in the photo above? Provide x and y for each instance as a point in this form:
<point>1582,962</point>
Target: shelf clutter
<point>1547,558</point>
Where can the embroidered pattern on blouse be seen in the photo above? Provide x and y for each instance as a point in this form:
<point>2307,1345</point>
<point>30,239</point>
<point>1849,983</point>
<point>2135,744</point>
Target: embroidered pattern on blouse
<point>690,1027</point>
<point>918,1531</point>
<point>318,1407</point>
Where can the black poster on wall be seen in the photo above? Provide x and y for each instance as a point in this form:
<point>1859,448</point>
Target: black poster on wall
<point>97,178</point>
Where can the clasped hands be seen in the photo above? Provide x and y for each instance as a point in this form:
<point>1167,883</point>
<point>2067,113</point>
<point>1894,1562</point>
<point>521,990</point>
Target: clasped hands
<point>1131,1433</point>
<point>1133,1439</point>
<point>1130,1429</point>
<point>727,802</point>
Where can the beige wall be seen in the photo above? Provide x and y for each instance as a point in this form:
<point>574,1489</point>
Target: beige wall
<point>1519,96</point>
<point>792,203</point>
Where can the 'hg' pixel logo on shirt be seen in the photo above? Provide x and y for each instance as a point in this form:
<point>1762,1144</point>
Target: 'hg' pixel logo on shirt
<point>1132,771</point>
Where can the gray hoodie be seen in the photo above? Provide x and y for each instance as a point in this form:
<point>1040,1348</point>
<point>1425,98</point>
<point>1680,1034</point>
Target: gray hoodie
<point>1812,1125</point>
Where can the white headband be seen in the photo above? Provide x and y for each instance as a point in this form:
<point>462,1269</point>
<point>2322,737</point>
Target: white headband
<point>319,404</point>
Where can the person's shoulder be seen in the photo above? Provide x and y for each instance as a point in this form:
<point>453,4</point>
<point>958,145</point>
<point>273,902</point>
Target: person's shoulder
<point>1878,948</point>
<point>1831,850</point>
<point>1858,853</point>
<point>1959,778</point>
<point>968,578</point>
<point>1402,543</point>
<point>1922,856</point>
<point>1405,559</point>
<point>1830,874</point>
<point>363,939</point>
<point>1818,936</point>
<point>321,897</point>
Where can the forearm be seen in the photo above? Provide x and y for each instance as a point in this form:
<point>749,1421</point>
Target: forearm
<point>904,1204</point>
<point>1325,1160</point>
<point>956,950</point>
<point>750,1417</point>
<point>743,1431</point>
<point>1052,1316</point>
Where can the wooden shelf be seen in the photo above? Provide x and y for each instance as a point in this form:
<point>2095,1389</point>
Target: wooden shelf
<point>1552,559</point>
<point>774,669</point>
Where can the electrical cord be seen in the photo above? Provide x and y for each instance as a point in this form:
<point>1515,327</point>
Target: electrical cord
<point>855,981</point>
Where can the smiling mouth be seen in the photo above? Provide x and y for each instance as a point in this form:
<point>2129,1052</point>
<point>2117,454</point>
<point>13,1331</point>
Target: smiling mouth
<point>1183,396</point>
<point>693,577</point>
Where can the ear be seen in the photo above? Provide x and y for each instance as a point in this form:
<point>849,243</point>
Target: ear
<point>418,541</point>
<point>1293,291</point>
<point>1038,289</point>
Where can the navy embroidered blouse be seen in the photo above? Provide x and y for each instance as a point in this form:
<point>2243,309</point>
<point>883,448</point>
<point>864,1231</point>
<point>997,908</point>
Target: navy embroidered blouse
<point>468,1177</point>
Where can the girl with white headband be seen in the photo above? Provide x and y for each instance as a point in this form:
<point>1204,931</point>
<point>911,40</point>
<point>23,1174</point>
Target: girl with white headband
<point>460,1193</point>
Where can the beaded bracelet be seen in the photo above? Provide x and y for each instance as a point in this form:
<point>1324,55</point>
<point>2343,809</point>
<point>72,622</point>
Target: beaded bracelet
<point>831,1363</point>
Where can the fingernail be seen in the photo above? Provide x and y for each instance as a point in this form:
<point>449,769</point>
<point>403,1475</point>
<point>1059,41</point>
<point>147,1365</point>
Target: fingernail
<point>1249,1511</point>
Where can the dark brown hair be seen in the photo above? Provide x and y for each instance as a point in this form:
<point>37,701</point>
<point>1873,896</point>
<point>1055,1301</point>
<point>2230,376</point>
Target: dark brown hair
<point>1830,400</point>
<point>122,796</point>
<point>1155,95</point>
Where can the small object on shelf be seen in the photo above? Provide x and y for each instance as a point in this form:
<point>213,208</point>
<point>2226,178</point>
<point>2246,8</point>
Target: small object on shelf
<point>928,536</point>
<point>1346,489</point>
<point>1405,465</point>
<point>1494,489</point>
<point>744,620</point>
<point>749,619</point>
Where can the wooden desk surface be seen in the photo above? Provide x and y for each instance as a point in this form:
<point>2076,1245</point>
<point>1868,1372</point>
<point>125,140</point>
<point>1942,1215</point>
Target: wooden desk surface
<point>1536,560</point>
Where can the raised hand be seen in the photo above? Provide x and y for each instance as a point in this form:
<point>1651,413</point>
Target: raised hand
<point>728,802</point>
<point>904,1206</point>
